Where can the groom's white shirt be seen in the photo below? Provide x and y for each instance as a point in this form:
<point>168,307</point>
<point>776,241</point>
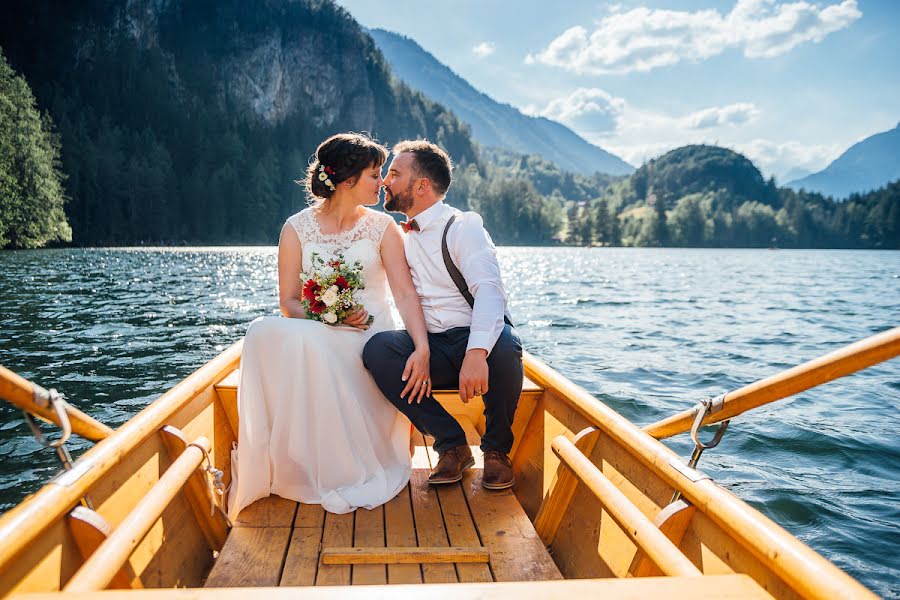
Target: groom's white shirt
<point>475,256</point>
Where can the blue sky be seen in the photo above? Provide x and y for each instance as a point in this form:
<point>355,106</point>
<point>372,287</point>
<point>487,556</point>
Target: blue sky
<point>790,84</point>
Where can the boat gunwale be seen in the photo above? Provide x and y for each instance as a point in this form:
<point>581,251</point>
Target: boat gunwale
<point>36,514</point>
<point>803,569</point>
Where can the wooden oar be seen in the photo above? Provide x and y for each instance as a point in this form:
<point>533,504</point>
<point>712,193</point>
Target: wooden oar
<point>849,359</point>
<point>33,398</point>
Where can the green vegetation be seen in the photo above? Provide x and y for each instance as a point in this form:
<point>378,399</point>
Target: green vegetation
<point>160,142</point>
<point>158,149</point>
<point>694,196</point>
<point>31,190</point>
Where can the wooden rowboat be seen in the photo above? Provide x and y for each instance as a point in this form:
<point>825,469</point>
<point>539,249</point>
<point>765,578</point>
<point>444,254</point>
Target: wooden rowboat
<point>591,512</point>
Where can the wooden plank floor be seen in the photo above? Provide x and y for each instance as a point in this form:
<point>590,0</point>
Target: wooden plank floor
<point>278,542</point>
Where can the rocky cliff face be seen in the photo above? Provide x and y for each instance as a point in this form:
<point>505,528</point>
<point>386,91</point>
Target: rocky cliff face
<point>277,73</point>
<point>269,72</point>
<point>140,20</point>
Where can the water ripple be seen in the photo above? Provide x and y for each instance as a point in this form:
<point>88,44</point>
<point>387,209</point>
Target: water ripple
<point>649,332</point>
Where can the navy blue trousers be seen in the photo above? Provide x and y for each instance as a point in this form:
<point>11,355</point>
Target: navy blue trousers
<point>385,356</point>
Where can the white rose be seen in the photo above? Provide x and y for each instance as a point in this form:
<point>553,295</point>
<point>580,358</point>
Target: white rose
<point>330,297</point>
<point>329,318</point>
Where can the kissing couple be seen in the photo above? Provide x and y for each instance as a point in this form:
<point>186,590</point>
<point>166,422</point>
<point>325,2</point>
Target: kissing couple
<point>325,410</point>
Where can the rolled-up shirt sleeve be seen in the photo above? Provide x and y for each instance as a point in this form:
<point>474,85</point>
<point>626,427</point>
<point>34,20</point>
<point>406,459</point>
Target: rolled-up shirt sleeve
<point>474,253</point>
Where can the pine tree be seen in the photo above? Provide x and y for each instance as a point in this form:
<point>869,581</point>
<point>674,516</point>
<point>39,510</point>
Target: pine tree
<point>587,225</point>
<point>573,224</point>
<point>601,222</point>
<point>31,190</point>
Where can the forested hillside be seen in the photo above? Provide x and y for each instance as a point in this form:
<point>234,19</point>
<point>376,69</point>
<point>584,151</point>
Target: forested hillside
<point>705,196</point>
<point>187,122</point>
<point>31,191</point>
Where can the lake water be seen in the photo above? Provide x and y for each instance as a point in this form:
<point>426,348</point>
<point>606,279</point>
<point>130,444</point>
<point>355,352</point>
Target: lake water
<point>648,331</point>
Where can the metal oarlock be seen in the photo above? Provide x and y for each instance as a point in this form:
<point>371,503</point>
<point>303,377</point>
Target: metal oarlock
<point>704,407</point>
<point>58,402</point>
<point>215,485</point>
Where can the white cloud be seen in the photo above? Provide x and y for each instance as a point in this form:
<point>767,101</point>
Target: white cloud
<point>642,39</point>
<point>637,134</point>
<point>593,111</point>
<point>776,32</point>
<point>483,50</point>
<point>585,109</point>
<point>778,158</point>
<point>733,114</point>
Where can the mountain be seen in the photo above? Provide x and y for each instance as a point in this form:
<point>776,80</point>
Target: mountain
<point>867,165</point>
<point>707,196</point>
<point>794,173</point>
<point>494,124</point>
<point>698,169</point>
<point>184,121</point>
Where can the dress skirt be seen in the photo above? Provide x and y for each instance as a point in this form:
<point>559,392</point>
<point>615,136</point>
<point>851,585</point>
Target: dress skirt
<point>314,426</point>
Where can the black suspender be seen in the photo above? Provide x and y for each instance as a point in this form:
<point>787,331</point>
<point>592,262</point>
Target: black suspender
<point>455,275</point>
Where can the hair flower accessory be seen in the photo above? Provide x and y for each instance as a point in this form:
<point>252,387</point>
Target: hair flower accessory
<point>324,173</point>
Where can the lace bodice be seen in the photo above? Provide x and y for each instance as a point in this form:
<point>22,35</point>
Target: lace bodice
<point>370,227</point>
<point>362,243</point>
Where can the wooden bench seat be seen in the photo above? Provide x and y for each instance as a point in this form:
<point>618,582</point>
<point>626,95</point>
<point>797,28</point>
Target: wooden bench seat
<point>278,542</point>
<point>226,389</point>
<point>230,383</point>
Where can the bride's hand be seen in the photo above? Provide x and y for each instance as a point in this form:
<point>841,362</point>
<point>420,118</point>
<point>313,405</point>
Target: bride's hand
<point>359,319</point>
<point>417,375</point>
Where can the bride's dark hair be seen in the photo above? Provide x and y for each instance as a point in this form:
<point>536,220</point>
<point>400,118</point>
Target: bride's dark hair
<point>340,158</point>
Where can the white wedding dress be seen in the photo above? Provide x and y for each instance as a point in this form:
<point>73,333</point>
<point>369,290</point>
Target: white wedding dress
<point>314,426</point>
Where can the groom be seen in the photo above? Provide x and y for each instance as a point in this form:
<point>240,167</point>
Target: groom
<point>473,343</point>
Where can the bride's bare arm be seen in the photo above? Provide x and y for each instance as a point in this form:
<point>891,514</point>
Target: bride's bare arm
<point>416,374</point>
<point>290,264</point>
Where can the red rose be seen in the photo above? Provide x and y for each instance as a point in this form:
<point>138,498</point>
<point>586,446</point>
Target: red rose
<point>317,307</point>
<point>334,264</point>
<point>341,283</point>
<point>310,289</point>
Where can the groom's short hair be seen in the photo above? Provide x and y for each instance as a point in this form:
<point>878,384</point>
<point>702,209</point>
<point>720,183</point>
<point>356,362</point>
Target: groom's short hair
<point>429,161</point>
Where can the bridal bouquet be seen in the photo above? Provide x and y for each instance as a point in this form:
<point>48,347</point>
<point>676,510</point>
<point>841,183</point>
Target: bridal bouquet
<point>330,288</point>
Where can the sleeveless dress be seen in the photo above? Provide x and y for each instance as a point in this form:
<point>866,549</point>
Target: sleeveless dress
<point>314,426</point>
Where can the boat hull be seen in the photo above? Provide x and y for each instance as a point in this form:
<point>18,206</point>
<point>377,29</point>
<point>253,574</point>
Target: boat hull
<point>41,549</point>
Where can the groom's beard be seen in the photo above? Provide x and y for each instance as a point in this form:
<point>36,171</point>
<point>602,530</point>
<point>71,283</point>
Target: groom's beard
<point>399,202</point>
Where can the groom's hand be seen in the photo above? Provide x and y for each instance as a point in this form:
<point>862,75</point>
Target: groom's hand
<point>473,376</point>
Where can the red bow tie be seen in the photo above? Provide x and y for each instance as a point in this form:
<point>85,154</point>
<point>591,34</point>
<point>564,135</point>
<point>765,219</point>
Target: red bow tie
<point>410,225</point>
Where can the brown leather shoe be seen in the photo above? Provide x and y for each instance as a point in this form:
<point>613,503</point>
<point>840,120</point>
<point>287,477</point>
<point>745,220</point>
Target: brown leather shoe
<point>451,465</point>
<point>498,473</point>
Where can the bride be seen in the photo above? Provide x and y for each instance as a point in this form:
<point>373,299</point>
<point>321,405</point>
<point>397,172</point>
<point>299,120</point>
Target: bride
<point>314,426</point>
